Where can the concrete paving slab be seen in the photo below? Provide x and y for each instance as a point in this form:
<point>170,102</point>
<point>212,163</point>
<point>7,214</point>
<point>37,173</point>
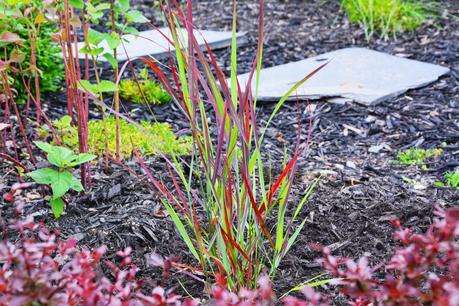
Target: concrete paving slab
<point>352,74</point>
<point>152,43</point>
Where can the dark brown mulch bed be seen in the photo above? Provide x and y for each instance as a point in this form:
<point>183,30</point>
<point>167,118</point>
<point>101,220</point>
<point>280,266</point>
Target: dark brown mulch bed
<point>353,145</point>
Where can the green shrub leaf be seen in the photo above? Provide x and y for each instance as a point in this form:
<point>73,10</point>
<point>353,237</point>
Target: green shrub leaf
<point>95,37</point>
<point>76,185</point>
<point>61,183</point>
<point>43,176</point>
<point>79,4</point>
<point>81,159</point>
<point>135,16</point>
<point>57,206</point>
<point>105,86</point>
<point>109,57</point>
<point>113,40</point>
<point>61,157</point>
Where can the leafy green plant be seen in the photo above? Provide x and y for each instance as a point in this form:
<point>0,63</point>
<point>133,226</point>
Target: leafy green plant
<point>121,17</point>
<point>452,178</point>
<point>415,156</point>
<point>147,138</point>
<point>143,91</point>
<point>224,220</point>
<point>60,180</point>
<point>36,53</point>
<point>386,16</point>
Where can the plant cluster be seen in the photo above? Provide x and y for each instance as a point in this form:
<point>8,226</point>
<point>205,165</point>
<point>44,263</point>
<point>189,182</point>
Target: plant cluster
<point>147,138</point>
<point>386,16</point>
<point>60,180</point>
<point>452,178</point>
<point>424,271</point>
<point>41,269</point>
<point>143,91</point>
<point>26,41</point>
<point>416,157</point>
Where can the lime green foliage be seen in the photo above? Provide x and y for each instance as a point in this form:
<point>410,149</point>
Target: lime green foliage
<point>386,16</point>
<point>415,156</point>
<point>452,178</point>
<point>60,180</point>
<point>31,28</point>
<point>148,139</point>
<point>152,91</point>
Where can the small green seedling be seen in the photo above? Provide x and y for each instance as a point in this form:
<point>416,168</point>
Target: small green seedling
<point>416,156</point>
<point>60,180</point>
<point>452,178</point>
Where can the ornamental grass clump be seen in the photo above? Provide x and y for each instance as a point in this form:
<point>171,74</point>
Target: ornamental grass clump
<point>231,218</point>
<point>386,16</point>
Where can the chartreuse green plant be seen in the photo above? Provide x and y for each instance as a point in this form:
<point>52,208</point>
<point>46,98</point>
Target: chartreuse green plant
<point>143,91</point>
<point>235,223</point>
<point>416,156</point>
<point>452,178</point>
<point>61,180</point>
<point>148,138</point>
<point>387,16</point>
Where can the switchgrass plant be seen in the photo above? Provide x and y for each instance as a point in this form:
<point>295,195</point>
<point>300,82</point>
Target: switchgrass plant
<point>235,223</point>
<point>387,17</point>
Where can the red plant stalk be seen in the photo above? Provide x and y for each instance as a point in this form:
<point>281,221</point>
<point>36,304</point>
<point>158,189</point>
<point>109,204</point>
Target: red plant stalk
<point>10,99</point>
<point>76,100</point>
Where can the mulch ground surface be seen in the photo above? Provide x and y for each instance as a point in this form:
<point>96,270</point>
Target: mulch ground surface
<point>353,146</point>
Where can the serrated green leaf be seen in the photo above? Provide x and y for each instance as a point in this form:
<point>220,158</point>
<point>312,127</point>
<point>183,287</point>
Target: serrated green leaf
<point>131,30</point>
<point>113,40</point>
<point>105,86</point>
<point>61,157</point>
<point>85,85</point>
<point>57,206</point>
<point>79,4</point>
<point>102,6</point>
<point>92,51</point>
<point>95,37</point>
<point>43,176</point>
<point>81,159</point>
<point>44,146</point>
<point>76,185</point>
<point>61,183</point>
<point>124,5</point>
<point>135,16</point>
<point>109,57</point>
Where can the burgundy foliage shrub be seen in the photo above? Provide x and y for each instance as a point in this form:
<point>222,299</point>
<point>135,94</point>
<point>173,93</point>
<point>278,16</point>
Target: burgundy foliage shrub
<point>40,269</point>
<point>423,271</point>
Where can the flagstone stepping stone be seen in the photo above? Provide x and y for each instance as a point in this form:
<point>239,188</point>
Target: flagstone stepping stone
<point>352,74</point>
<point>153,43</point>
